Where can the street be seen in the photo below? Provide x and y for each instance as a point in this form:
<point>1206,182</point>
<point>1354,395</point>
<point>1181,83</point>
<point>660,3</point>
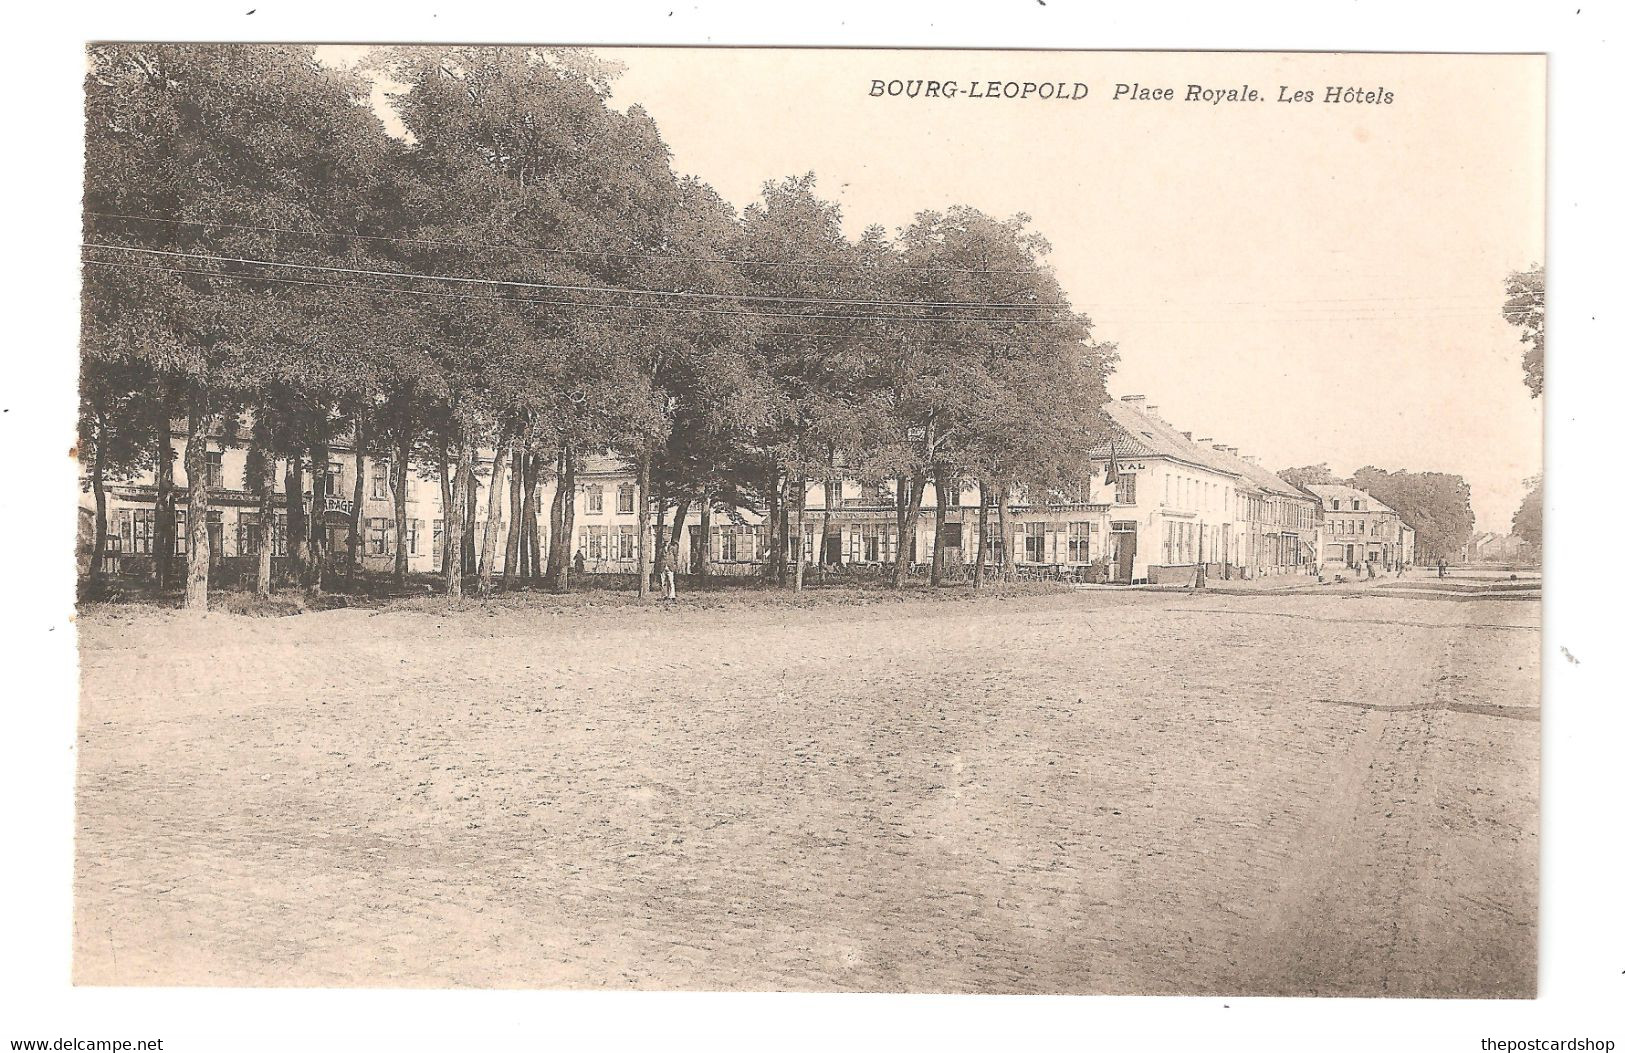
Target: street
<point>1322,792</point>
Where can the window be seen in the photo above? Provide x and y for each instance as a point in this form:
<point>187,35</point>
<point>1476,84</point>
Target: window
<point>378,536</point>
<point>250,531</point>
<point>1168,543</point>
<point>623,545</point>
<point>1077,542</point>
<point>953,535</point>
<point>1357,505</point>
<point>953,496</point>
<point>180,533</point>
<point>595,501</point>
<point>335,480</point>
<point>412,528</point>
<point>1032,546</point>
<point>1126,488</point>
<point>596,538</point>
<point>625,498</point>
<point>144,525</point>
<point>1337,506</point>
<point>216,477</point>
<point>380,482</point>
<point>1168,489</point>
<point>728,544</point>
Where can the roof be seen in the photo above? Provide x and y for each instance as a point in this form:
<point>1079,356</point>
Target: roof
<point>1261,477</point>
<point>1139,434</point>
<point>1347,494</point>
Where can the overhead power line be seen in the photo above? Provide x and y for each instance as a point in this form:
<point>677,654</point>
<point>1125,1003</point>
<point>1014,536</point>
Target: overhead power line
<point>562,287</point>
<point>575,303</point>
<point>584,253</point>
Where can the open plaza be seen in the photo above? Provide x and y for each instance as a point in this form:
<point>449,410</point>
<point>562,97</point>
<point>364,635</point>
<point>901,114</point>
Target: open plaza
<point>1042,788</point>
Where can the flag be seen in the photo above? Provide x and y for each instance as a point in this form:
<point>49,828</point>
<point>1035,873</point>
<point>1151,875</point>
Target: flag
<point>1111,467</point>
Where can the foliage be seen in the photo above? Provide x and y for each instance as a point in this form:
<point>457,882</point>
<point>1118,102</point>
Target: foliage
<point>1528,523</point>
<point>1525,308</point>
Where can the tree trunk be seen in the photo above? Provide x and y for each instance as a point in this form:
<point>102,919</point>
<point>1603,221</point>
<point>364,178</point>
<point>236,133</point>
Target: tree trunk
<point>293,495</point>
<point>567,521</point>
<point>558,548</point>
<point>448,502</point>
<point>675,542</point>
<point>398,498</point>
<point>471,511</point>
<point>452,532</point>
<point>163,520</point>
<point>1006,557</point>
<point>775,558</point>
<point>262,574</point>
<point>197,509</point>
<point>532,561</point>
<point>318,514</point>
<point>905,531</point>
<point>799,544</point>
<point>493,516</point>
<point>98,486</point>
<point>358,517</point>
<point>939,546</point>
<point>660,555</point>
<point>645,471</point>
<point>516,518</point>
<point>981,530</point>
<point>701,560</point>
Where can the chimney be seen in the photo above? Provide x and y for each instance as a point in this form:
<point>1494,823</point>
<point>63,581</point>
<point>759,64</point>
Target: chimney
<point>1153,411</point>
<point>1135,399</point>
<point>1207,441</point>
<point>1187,435</point>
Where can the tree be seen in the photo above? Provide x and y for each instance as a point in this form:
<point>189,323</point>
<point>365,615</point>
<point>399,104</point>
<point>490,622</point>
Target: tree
<point>1438,505</point>
<point>197,156</point>
<point>1310,475</point>
<point>1528,524</point>
<point>1525,309</point>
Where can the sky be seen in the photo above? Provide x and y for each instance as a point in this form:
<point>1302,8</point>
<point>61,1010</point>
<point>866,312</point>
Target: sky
<point>1309,282</point>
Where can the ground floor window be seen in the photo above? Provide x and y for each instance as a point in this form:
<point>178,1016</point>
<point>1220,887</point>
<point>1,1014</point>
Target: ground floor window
<point>1078,536</point>
<point>595,540</point>
<point>378,536</point>
<point>873,543</point>
<point>623,544</point>
<point>1032,543</point>
<point>143,528</point>
<point>953,534</point>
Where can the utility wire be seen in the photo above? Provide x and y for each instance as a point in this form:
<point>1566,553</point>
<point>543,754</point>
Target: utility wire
<point>558,287</point>
<point>588,253</point>
<point>575,303</point>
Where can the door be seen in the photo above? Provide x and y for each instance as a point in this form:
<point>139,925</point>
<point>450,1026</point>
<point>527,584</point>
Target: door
<point>1124,543</point>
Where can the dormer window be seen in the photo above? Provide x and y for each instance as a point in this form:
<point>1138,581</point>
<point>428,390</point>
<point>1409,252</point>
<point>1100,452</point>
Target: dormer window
<point>1337,506</point>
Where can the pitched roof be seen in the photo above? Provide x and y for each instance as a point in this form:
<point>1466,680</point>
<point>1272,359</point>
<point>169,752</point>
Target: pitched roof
<point>1140,434</point>
<point>1327,493</point>
<point>1260,477</point>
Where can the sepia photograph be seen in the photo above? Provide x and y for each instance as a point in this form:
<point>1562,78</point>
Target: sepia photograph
<point>831,520</point>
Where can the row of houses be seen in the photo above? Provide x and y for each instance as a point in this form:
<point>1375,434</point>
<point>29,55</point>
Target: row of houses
<point>1158,505</point>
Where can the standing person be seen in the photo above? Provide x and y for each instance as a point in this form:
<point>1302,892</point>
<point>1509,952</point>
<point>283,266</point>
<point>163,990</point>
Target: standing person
<point>668,573</point>
<point>1441,566</point>
<point>581,561</point>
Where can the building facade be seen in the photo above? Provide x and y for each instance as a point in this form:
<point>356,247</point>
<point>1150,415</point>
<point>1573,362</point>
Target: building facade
<point>1362,530</point>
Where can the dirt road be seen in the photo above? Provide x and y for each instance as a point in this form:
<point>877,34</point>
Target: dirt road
<point>1074,793</point>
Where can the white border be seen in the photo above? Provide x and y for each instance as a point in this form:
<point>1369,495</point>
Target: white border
<point>1581,913</point>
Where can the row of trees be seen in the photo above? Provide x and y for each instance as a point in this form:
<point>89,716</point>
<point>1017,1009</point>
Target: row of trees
<point>519,269</point>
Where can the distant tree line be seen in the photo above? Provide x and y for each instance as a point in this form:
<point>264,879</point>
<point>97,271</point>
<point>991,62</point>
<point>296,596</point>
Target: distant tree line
<point>1437,505</point>
<point>521,271</point>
